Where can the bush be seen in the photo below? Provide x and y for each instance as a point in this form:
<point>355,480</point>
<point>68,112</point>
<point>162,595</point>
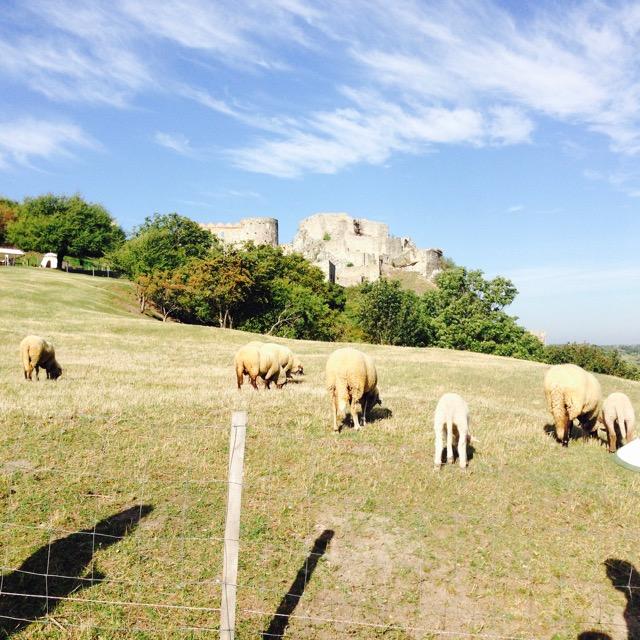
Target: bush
<point>592,358</point>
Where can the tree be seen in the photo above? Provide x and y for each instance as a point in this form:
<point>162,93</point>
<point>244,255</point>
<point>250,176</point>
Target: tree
<point>165,289</point>
<point>389,314</point>
<point>467,313</point>
<point>217,287</point>
<point>8,211</point>
<point>163,243</point>
<point>67,225</point>
<point>593,358</point>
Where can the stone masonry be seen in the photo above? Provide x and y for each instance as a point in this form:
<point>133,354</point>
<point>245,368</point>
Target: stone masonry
<point>358,250</point>
<point>256,230</point>
<point>349,250</point>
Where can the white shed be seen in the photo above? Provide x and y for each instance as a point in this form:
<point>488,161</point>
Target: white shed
<point>49,261</point>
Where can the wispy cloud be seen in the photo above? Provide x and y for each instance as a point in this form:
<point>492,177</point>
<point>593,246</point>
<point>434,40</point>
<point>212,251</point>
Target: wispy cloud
<point>462,72</point>
<point>175,141</point>
<point>515,208</point>
<point>625,179</point>
<point>27,139</point>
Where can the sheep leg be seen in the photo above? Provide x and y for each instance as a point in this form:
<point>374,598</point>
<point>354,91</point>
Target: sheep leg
<point>364,412</point>
<point>354,414</point>
<point>37,373</point>
<point>449,442</point>
<point>630,432</point>
<point>462,447</point>
<point>611,434</point>
<point>437,457</point>
<point>254,384</point>
<point>562,424</point>
<point>334,402</point>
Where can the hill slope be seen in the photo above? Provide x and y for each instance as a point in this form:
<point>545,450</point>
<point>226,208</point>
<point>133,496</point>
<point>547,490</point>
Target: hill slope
<point>513,547</point>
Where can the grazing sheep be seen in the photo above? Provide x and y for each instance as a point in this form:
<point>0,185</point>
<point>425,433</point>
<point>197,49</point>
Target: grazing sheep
<point>572,393</point>
<point>259,359</point>
<point>36,352</point>
<point>351,380</point>
<point>617,409</point>
<point>452,414</point>
<point>290,363</point>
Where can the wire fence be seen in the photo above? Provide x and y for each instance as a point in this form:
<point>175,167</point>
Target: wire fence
<point>141,555</point>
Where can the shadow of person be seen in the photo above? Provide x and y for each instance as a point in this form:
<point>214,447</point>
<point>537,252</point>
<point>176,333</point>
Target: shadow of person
<point>289,602</point>
<point>625,578</point>
<point>56,570</point>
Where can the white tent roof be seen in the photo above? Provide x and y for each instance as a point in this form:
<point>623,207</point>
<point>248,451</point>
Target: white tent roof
<point>8,251</point>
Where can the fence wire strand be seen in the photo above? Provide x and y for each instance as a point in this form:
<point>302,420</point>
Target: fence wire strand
<point>144,480</point>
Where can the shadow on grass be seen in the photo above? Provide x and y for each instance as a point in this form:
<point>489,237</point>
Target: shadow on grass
<point>289,602</point>
<point>577,433</point>
<point>379,413</point>
<point>56,570</point>
<point>626,579</point>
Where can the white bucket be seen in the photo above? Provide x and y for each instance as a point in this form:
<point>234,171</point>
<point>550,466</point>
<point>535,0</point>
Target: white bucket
<point>629,455</point>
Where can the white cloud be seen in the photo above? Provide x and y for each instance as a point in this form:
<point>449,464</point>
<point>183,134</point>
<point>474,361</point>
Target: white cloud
<point>175,141</point>
<point>23,140</point>
<point>515,208</point>
<point>392,78</point>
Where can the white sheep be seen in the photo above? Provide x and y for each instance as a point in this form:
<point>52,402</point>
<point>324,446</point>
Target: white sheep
<point>36,352</point>
<point>259,359</point>
<point>572,394</point>
<point>452,415</point>
<point>290,363</point>
<point>352,381</point>
<point>618,410</point>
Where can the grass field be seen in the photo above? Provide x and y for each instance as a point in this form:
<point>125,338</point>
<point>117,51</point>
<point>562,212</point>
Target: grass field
<point>137,429</point>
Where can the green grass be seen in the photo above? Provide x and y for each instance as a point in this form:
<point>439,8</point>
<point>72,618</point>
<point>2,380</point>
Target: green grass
<point>515,546</point>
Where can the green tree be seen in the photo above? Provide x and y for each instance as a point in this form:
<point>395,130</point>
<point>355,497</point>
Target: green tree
<point>593,358</point>
<point>8,212</point>
<point>162,243</point>
<point>389,314</point>
<point>289,296</point>
<point>166,290</point>
<point>467,313</point>
<point>217,288</point>
<point>67,225</point>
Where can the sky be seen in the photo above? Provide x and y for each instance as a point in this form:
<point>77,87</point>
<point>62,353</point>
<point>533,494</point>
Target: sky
<point>505,133</point>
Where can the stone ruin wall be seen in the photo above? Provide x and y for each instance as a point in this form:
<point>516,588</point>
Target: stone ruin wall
<point>360,249</point>
<point>256,230</point>
<point>348,250</point>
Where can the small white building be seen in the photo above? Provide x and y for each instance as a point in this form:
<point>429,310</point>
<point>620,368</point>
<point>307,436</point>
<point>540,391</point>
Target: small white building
<point>49,261</point>
<point>8,255</point>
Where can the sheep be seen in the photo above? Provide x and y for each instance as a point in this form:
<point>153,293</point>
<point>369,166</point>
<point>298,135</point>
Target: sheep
<point>452,414</point>
<point>617,409</point>
<point>36,352</point>
<point>259,359</point>
<point>290,363</point>
<point>572,393</point>
<point>351,379</point>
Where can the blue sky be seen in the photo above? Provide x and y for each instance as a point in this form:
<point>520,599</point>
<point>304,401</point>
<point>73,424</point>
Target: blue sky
<point>510,138</point>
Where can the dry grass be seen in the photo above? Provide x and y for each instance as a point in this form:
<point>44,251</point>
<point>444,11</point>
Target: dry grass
<point>514,547</point>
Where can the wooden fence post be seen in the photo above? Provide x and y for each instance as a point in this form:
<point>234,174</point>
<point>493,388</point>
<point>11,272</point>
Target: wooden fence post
<point>231,545</point>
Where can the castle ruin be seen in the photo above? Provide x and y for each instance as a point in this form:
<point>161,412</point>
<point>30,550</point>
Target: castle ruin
<point>256,230</point>
<point>355,250</point>
<point>348,250</point>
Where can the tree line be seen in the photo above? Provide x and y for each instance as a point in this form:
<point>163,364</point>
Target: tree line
<point>183,272</point>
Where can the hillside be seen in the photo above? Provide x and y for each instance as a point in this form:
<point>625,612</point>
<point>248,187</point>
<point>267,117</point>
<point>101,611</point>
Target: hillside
<point>514,547</point>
